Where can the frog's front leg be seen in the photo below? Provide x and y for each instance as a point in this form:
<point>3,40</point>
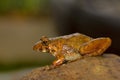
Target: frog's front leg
<point>66,54</point>
<point>59,61</point>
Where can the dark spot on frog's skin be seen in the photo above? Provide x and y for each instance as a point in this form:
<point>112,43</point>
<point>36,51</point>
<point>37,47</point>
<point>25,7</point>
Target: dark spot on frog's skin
<point>53,50</point>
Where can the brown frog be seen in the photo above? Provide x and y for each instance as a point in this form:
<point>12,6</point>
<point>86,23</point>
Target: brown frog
<point>72,47</point>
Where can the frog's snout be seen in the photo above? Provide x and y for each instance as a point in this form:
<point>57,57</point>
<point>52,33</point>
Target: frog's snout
<point>37,47</point>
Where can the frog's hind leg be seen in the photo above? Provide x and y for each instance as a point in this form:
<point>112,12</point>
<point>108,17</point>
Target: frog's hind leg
<point>95,47</point>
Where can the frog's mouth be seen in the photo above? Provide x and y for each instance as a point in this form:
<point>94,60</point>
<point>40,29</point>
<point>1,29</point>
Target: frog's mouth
<point>39,49</point>
<point>44,50</point>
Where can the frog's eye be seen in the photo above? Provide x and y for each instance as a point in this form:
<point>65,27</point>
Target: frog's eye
<point>45,43</point>
<point>44,39</point>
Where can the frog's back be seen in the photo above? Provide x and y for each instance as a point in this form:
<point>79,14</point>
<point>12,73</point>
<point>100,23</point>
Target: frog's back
<point>74,40</point>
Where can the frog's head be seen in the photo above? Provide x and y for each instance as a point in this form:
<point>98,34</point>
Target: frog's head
<point>42,45</point>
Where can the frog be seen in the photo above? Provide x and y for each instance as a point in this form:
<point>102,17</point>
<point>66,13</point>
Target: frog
<point>72,47</point>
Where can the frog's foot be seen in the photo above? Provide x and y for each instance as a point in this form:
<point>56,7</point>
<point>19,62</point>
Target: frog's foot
<point>95,47</point>
<point>58,62</point>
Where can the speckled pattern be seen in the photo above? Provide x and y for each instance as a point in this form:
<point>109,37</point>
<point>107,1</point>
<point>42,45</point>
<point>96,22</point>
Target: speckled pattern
<point>72,47</point>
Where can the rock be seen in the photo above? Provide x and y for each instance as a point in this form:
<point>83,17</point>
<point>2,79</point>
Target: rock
<point>105,67</point>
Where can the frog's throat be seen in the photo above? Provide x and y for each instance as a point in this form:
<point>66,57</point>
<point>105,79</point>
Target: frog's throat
<point>53,53</point>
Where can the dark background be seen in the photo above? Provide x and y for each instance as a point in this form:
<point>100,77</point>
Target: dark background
<point>96,18</point>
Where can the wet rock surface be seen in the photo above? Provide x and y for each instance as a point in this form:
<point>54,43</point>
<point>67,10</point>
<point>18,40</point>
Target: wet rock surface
<point>105,67</point>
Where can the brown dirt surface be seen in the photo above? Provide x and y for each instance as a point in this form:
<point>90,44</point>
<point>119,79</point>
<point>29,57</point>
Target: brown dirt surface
<point>105,67</point>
